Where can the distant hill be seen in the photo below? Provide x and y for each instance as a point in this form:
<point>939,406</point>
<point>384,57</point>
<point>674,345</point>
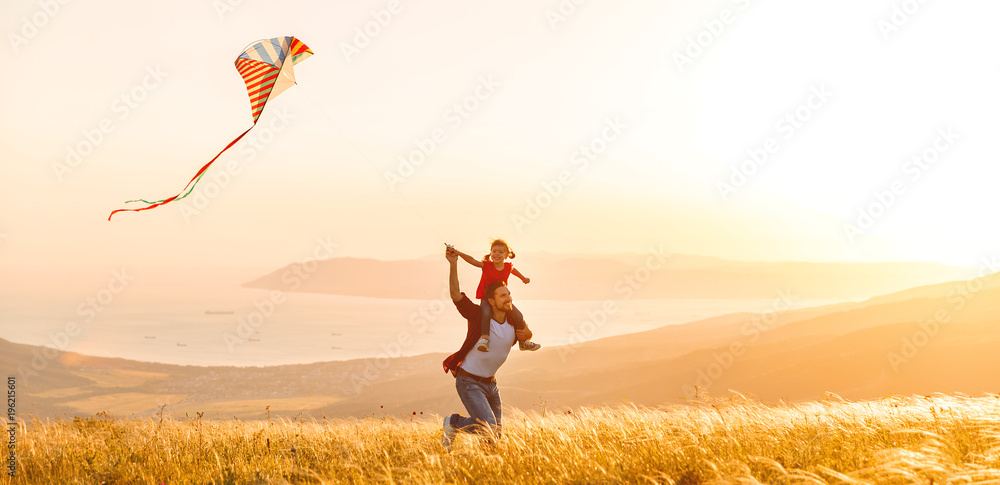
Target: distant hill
<point>862,350</point>
<point>589,278</point>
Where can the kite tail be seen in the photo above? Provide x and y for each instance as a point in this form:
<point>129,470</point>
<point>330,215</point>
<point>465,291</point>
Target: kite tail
<point>188,188</point>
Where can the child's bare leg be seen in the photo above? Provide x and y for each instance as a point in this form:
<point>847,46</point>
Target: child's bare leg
<point>517,321</point>
<point>484,341</point>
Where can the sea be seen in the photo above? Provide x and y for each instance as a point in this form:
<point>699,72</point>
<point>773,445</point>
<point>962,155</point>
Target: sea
<point>230,325</point>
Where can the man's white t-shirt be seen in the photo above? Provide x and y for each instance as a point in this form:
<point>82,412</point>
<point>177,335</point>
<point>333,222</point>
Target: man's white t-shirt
<point>486,364</point>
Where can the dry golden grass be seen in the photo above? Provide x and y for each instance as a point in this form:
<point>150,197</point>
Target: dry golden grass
<point>940,439</point>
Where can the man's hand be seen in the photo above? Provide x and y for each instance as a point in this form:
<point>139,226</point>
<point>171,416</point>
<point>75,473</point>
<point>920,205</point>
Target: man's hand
<point>526,280</point>
<point>451,254</point>
<point>523,334</point>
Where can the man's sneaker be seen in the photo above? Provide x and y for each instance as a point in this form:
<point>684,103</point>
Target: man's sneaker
<point>483,345</point>
<point>529,345</point>
<point>449,434</point>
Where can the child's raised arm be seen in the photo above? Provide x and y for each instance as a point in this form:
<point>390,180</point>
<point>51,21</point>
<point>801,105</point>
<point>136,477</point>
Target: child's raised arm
<point>517,273</point>
<point>469,259</point>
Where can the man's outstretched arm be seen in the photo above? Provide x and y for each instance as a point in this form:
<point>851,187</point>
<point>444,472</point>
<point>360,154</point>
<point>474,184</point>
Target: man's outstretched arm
<point>452,257</point>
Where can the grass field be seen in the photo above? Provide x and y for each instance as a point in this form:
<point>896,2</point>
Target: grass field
<point>937,439</point>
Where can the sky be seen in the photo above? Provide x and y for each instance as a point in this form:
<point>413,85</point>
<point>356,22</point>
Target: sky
<point>748,130</point>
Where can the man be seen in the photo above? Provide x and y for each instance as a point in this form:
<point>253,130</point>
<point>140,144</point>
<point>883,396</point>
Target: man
<point>475,372</point>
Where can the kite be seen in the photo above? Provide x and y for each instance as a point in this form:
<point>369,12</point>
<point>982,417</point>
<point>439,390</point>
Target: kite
<point>267,73</point>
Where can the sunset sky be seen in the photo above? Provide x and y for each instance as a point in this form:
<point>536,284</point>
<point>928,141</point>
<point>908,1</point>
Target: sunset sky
<point>675,96</point>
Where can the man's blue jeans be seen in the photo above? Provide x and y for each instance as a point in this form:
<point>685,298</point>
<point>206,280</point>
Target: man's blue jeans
<point>482,401</point>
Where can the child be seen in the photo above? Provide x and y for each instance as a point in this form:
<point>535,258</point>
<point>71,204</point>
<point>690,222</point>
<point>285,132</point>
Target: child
<point>495,269</point>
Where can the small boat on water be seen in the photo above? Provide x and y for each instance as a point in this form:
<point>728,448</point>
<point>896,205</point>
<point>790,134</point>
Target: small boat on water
<point>150,336</point>
<point>219,312</point>
<point>181,345</point>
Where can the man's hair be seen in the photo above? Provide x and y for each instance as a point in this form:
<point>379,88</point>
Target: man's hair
<point>491,289</point>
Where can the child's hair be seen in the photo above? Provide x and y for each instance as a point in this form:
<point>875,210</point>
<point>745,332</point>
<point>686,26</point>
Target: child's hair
<point>500,242</point>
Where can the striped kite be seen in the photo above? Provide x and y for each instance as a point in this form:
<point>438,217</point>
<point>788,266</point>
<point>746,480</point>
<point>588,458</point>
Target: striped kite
<point>266,74</point>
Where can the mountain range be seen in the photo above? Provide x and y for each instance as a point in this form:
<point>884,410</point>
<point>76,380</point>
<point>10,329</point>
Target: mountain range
<point>657,274</point>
